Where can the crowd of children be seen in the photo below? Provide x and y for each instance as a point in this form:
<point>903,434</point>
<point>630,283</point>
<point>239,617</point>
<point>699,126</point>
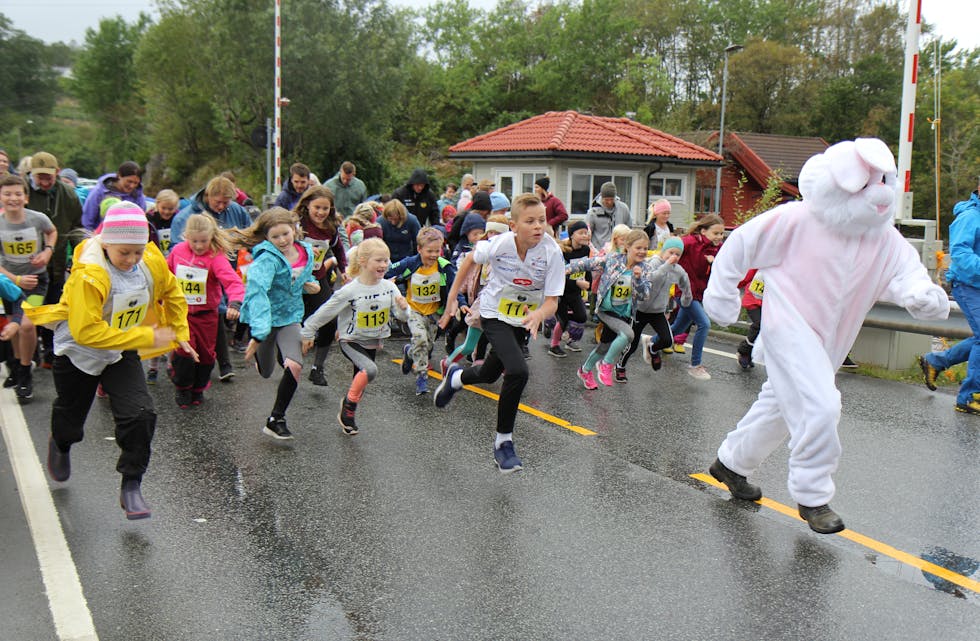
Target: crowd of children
<point>297,280</point>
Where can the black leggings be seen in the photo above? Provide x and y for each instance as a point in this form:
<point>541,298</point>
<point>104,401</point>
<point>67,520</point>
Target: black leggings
<point>505,356</point>
<point>571,307</point>
<point>661,328</point>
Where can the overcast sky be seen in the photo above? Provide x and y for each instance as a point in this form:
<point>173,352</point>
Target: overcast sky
<point>66,20</point>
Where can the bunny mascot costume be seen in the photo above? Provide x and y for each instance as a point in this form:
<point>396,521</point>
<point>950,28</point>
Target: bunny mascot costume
<point>824,262</point>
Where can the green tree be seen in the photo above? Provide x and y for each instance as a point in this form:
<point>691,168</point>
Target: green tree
<point>105,83</point>
<point>769,89</point>
<point>29,82</point>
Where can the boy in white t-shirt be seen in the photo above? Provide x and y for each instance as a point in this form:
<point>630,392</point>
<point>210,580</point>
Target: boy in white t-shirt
<point>526,279</point>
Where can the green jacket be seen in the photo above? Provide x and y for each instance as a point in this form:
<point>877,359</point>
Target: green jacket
<point>61,205</point>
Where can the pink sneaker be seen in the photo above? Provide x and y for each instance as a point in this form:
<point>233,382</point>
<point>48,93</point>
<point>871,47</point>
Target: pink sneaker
<point>606,374</point>
<point>587,379</point>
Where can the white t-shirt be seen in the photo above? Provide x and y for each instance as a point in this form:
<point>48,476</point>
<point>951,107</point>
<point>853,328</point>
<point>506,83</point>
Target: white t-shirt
<point>517,287</point>
<point>362,312</point>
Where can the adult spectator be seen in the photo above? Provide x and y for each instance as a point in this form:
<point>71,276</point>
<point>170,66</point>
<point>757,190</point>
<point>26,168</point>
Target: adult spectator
<point>5,163</point>
<point>419,199</point>
<point>216,199</point>
<point>58,202</point>
<point>486,185</point>
<point>70,177</point>
<point>399,229</point>
<point>554,210</point>
<point>299,181</point>
<point>349,191</point>
<point>608,212</point>
<point>466,190</point>
<point>125,184</point>
<point>964,275</point>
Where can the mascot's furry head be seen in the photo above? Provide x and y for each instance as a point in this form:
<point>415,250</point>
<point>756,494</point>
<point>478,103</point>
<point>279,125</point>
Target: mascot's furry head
<point>851,186</point>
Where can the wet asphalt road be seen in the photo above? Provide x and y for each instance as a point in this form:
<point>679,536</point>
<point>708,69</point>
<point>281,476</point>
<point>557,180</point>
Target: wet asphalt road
<point>407,531</point>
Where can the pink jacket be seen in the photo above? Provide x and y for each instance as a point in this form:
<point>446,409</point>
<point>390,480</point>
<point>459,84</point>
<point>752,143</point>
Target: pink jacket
<point>220,275</point>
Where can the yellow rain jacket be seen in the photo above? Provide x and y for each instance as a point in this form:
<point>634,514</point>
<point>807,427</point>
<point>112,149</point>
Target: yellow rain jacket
<point>84,296</point>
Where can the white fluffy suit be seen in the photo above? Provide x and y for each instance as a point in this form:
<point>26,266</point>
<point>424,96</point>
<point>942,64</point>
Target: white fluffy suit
<point>824,260</point>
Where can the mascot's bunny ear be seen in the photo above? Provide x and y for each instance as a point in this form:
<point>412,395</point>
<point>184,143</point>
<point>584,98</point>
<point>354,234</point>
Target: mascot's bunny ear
<point>849,170</point>
<point>876,153</point>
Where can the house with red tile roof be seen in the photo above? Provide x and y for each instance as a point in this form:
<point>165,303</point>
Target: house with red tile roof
<point>580,152</point>
<point>750,160</point>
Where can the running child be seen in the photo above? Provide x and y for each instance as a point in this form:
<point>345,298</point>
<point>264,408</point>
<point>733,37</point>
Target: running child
<point>527,276</point>
<point>571,315</point>
<point>659,227</point>
<point>752,289</point>
<point>27,240</point>
<point>361,309</point>
<point>495,225</point>
<point>202,269</point>
<point>700,246</point>
<point>119,299</point>
<point>653,311</point>
<point>624,280</point>
<point>321,225</point>
<point>280,272</point>
<point>428,278</point>
<point>162,216</point>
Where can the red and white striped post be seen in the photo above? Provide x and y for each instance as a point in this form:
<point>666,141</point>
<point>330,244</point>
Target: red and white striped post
<point>278,110</point>
<point>910,78</point>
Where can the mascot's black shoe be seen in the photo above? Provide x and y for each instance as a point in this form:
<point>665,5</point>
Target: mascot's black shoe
<point>822,519</point>
<point>737,485</point>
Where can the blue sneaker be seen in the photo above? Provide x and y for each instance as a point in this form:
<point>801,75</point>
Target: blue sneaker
<point>422,384</point>
<point>506,459</point>
<point>444,393</point>
<point>407,361</point>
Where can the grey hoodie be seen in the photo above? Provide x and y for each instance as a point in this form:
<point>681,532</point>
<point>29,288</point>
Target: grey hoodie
<point>601,220</point>
<point>665,275</point>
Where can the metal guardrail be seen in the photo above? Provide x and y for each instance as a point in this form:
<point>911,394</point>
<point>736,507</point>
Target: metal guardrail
<point>894,318</point>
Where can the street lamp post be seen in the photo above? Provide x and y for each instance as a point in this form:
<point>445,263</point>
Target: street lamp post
<point>732,48</point>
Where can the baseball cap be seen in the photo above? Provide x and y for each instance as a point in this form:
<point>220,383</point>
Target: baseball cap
<point>44,163</point>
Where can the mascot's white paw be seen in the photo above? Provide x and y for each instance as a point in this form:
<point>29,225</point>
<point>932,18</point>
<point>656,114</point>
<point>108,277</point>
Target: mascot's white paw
<point>723,310</point>
<point>928,303</point>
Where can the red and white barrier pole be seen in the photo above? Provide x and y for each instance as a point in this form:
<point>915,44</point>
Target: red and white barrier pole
<point>909,80</point>
<point>278,111</point>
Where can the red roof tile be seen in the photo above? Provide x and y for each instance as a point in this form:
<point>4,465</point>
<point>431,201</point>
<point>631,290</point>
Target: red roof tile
<point>570,131</point>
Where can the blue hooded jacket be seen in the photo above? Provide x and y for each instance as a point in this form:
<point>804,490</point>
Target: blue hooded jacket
<point>234,215</point>
<point>273,298</point>
<point>964,243</point>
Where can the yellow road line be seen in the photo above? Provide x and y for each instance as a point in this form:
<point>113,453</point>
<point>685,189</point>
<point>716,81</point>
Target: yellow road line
<point>860,539</point>
<point>560,422</point>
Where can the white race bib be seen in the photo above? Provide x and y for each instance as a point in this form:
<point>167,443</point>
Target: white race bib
<point>193,283</point>
<point>320,249</point>
<point>425,287</point>
<point>163,235</point>
<point>129,309</point>
<point>515,304</point>
<point>370,317</point>
<point>20,244</point>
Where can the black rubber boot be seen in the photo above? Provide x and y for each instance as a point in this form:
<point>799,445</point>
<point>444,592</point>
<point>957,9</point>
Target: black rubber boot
<point>737,484</point>
<point>821,519</point>
<point>131,500</point>
<point>59,462</point>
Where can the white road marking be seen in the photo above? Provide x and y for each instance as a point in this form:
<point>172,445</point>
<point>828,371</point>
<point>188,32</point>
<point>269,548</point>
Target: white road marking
<point>69,610</point>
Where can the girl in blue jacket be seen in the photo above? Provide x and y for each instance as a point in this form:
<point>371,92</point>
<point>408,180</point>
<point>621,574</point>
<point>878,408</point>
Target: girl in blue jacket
<point>280,272</point>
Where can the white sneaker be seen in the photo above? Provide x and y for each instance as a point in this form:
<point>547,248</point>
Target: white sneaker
<point>645,346</point>
<point>698,372</point>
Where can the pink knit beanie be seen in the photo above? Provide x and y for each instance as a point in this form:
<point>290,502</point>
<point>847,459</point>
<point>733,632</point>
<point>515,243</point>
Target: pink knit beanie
<point>124,224</point>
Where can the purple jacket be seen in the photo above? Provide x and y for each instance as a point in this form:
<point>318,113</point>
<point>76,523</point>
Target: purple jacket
<point>103,190</point>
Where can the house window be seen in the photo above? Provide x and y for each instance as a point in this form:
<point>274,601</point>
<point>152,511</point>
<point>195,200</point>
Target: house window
<point>669,186</point>
<point>705,201</point>
<point>585,189</point>
<point>518,181</point>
